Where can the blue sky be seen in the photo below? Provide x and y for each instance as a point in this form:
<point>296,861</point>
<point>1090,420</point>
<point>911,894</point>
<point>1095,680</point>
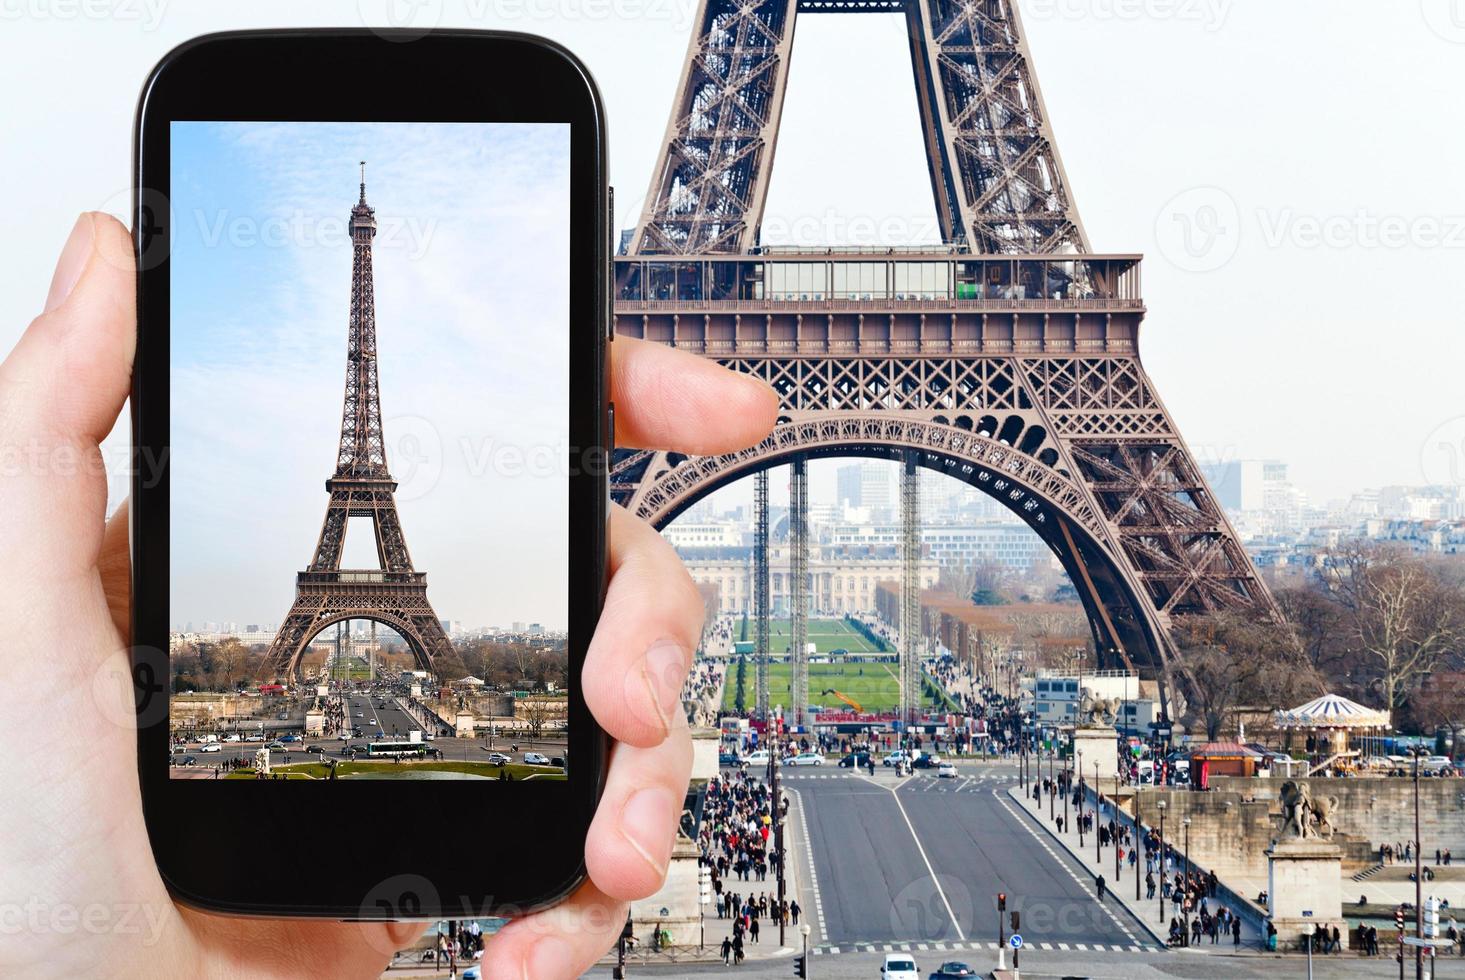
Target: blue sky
<point>471,274</point>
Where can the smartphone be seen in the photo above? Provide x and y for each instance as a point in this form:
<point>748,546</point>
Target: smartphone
<point>371,416</point>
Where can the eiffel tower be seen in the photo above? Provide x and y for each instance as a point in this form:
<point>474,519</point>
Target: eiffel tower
<point>1006,357</point>
<point>394,593</point>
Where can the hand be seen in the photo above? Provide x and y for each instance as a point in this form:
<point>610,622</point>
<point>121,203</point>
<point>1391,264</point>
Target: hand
<point>79,892</point>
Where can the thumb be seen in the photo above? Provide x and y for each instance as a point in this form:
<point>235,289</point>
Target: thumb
<point>61,390</point>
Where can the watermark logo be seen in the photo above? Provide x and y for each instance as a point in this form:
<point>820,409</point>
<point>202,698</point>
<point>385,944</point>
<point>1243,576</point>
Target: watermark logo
<point>400,20</point>
<point>414,455</point>
<point>1199,230</point>
<point>1442,457</point>
<point>1209,14</point>
<point>1446,18</point>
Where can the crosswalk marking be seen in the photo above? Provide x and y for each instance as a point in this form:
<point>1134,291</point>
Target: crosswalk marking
<point>973,946</point>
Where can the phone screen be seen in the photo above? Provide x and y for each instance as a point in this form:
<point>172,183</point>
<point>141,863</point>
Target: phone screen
<point>369,359</point>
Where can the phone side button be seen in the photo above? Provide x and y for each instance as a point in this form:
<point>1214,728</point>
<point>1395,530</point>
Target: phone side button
<point>610,428</point>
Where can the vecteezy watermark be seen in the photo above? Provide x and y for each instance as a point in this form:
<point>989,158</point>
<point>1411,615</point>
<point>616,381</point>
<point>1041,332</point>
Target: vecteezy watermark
<point>38,917</point>
<point>1199,230</point>
<point>931,908</point>
<point>1446,18</point>
<point>1442,457</point>
<point>301,230</point>
<point>1210,14</point>
<point>1359,229</point>
<point>129,688</point>
<point>845,228</point>
<point>675,12</point>
<point>146,13</point>
<point>400,20</point>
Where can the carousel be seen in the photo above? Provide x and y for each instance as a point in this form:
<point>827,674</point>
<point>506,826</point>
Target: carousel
<point>1331,726</point>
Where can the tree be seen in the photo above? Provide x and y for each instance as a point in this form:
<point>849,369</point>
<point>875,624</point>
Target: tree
<point>1230,659</point>
<point>1403,616</point>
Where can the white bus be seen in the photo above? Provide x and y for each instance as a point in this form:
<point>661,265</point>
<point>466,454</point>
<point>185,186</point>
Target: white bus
<point>398,749</point>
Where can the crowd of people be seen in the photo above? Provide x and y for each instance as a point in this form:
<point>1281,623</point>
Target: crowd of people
<point>737,847</point>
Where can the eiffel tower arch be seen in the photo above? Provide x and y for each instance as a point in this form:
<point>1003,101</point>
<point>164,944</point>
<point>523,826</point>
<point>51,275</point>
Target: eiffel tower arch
<point>394,593</point>
<point>1006,357</point>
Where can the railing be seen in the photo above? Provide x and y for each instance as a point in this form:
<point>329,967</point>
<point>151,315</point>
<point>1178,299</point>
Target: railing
<point>995,304</point>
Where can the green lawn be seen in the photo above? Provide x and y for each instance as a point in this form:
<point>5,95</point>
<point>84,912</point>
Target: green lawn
<point>873,685</point>
<point>825,634</point>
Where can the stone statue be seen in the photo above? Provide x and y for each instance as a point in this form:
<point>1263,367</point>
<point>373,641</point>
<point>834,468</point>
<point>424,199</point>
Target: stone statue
<point>1095,711</point>
<point>1298,815</point>
<point>1323,810</point>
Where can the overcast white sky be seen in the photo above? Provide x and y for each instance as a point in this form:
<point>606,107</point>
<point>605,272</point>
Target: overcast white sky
<point>471,262</point>
<point>1312,151</point>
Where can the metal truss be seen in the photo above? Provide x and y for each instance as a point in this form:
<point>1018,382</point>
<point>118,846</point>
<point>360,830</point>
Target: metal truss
<point>995,173</point>
<point>911,639</point>
<point>760,587</point>
<point>798,542</point>
<point>394,594</point>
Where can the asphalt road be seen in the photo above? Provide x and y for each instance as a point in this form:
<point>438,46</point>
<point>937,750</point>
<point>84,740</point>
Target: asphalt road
<point>394,722</point>
<point>921,860</point>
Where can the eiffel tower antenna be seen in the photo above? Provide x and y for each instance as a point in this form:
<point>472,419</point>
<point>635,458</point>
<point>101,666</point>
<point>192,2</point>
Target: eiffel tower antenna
<point>394,593</point>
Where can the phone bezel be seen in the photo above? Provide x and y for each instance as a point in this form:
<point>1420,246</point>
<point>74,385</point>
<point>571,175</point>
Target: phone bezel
<point>441,849</point>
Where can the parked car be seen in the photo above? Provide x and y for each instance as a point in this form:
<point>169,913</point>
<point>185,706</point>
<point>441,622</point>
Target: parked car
<point>807,759</point>
<point>557,761</point>
<point>276,744</point>
<point>498,759</point>
<point>893,758</point>
<point>316,749</point>
<point>925,760</point>
<point>232,738</point>
<point>255,737</point>
<point>952,970</point>
<point>535,759</point>
<point>899,966</point>
<point>290,738</point>
<point>758,758</point>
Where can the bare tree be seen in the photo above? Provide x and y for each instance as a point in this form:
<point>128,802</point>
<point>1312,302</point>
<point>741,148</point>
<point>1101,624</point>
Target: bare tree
<point>1403,618</point>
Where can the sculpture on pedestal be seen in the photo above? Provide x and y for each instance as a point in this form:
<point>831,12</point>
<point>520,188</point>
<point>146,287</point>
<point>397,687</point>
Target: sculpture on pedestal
<point>1097,712</point>
<point>1305,816</point>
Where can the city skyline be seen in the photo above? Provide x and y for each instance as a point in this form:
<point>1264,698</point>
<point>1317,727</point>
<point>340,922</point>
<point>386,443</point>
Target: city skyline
<point>471,257</point>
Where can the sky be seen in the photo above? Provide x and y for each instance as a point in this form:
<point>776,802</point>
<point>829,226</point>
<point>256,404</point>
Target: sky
<point>471,280</point>
<point>1292,173</point>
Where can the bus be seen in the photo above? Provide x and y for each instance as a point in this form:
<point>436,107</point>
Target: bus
<point>398,749</point>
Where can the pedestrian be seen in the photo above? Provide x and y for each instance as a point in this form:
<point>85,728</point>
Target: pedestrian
<point>1150,886</point>
<point>726,949</point>
<point>753,931</point>
<point>1337,940</point>
<point>1101,885</point>
<point>794,910</point>
<point>1236,931</point>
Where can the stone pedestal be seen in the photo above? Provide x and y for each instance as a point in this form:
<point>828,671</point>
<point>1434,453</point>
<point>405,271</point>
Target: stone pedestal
<point>1097,744</point>
<point>1304,885</point>
<point>675,908</point>
<point>315,722</point>
<point>463,724</point>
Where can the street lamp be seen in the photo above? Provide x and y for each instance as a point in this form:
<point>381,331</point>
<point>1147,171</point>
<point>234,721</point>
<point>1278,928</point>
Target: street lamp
<point>1187,881</point>
<point>1163,873</point>
<point>1079,769</point>
<point>804,931</point>
<point>1307,933</point>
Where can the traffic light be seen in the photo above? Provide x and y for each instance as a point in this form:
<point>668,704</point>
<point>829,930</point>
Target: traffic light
<point>1002,901</point>
<point>1016,916</point>
<point>1399,919</point>
<point>801,968</point>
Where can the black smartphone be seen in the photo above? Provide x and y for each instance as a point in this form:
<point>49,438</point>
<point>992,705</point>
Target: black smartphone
<point>372,594</point>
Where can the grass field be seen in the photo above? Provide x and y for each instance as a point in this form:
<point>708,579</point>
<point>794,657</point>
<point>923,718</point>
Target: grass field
<point>873,685</point>
<point>825,634</point>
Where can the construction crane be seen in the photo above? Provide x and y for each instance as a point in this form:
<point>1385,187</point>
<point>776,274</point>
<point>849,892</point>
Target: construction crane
<point>849,701</point>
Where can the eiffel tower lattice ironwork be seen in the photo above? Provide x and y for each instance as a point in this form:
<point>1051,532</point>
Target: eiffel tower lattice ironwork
<point>1007,356</point>
<point>393,594</point>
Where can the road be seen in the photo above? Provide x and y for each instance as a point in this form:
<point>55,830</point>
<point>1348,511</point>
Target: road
<point>921,860</point>
<point>364,714</point>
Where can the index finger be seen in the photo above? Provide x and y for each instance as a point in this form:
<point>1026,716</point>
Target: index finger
<point>670,399</point>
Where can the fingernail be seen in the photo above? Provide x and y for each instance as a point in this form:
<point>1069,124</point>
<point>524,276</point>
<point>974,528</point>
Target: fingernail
<point>644,825</point>
<point>73,259</point>
<point>550,959</point>
<point>662,673</point>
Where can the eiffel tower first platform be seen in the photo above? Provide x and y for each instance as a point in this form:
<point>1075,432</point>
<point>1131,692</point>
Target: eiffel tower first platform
<point>1007,356</point>
<point>393,594</point>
